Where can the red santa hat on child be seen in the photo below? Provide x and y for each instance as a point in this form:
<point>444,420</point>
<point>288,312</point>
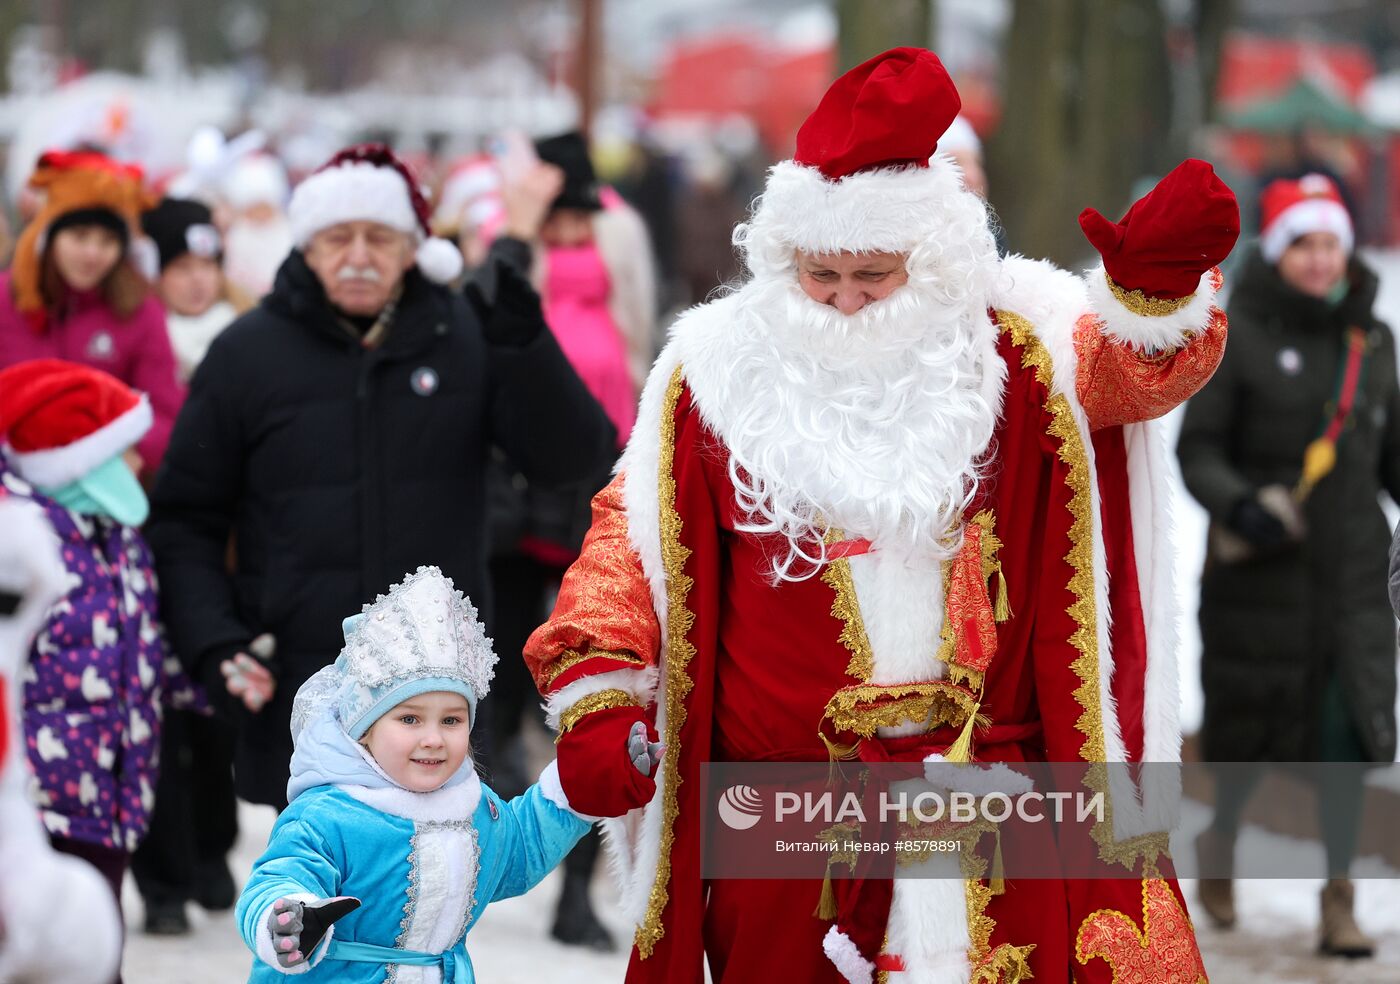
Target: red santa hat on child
<point>369,183</point>
<point>60,420</point>
<point>864,177</point>
<point>1289,209</point>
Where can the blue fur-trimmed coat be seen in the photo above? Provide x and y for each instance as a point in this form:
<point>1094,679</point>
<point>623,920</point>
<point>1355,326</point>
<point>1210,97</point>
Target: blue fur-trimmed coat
<point>424,866</point>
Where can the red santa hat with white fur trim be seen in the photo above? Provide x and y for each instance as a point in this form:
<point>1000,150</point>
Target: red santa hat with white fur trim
<point>1289,209</point>
<point>369,183</point>
<point>864,178</point>
<point>60,420</point>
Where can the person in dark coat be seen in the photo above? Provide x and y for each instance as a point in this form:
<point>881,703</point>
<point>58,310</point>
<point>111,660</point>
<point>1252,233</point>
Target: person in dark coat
<point>1288,447</point>
<point>340,431</point>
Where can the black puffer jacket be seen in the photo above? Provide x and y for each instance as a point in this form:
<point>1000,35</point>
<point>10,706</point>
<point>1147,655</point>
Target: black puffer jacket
<point>339,468</point>
<point>1276,628</point>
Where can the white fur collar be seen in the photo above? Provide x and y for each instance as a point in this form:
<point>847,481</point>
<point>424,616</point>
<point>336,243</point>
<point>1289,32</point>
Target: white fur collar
<point>447,805</point>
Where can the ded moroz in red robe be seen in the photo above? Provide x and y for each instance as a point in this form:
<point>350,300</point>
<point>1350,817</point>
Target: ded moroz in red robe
<point>670,608</point>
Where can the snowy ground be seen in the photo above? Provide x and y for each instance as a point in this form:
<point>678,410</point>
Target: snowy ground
<point>1274,944</point>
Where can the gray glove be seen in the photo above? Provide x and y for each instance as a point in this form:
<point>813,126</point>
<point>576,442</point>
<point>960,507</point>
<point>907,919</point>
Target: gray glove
<point>645,755</point>
<point>284,923</point>
<point>297,928</point>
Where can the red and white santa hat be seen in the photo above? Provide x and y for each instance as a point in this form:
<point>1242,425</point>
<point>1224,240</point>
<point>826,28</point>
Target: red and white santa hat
<point>864,178</point>
<point>1292,208</point>
<point>60,420</point>
<point>369,183</point>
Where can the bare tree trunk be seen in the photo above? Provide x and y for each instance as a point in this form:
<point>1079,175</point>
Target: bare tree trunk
<point>1213,18</point>
<point>867,28</point>
<point>1087,114</point>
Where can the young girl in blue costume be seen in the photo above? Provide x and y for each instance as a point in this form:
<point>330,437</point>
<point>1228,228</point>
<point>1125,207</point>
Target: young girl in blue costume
<point>385,806</point>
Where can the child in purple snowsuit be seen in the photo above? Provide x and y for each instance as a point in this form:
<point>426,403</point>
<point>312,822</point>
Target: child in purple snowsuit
<point>99,668</point>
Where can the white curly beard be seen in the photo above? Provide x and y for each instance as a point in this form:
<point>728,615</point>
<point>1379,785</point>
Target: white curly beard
<point>876,423</point>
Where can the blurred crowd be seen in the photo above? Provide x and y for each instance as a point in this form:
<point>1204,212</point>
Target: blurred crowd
<point>267,474</point>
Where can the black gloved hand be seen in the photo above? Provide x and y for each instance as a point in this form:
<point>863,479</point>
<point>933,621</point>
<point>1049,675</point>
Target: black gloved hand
<point>508,305</point>
<point>1256,524</point>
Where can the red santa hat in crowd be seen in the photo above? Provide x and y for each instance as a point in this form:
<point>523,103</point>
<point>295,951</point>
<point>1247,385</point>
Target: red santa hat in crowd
<point>368,183</point>
<point>864,177</point>
<point>60,420</point>
<point>1292,208</point>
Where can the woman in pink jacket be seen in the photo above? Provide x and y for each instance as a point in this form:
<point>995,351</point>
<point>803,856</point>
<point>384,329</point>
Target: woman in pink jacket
<point>74,291</point>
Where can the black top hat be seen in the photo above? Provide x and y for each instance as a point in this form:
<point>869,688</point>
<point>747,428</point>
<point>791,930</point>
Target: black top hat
<point>569,153</point>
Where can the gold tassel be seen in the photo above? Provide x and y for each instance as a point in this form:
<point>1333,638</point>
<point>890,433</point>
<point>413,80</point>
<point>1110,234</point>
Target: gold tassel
<point>998,880</point>
<point>826,905</point>
<point>961,750</point>
<point>1002,609</point>
<point>835,754</point>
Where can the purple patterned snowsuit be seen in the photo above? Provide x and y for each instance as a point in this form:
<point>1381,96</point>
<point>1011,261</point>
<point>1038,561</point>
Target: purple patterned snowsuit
<point>97,677</point>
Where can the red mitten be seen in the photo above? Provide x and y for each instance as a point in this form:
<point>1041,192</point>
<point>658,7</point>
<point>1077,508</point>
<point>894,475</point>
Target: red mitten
<point>1171,236</point>
<point>598,777</point>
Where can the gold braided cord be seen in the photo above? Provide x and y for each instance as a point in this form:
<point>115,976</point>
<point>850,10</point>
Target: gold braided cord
<point>678,653</point>
<point>570,658</point>
<point>1143,306</point>
<point>603,700</point>
<point>846,607</point>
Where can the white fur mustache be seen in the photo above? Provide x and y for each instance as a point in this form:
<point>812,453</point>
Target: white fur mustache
<point>367,274</point>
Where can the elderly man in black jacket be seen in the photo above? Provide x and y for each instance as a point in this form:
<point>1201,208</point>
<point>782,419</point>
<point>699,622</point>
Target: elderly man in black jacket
<point>340,433</point>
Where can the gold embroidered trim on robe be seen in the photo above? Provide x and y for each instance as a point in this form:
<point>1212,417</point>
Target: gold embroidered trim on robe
<point>864,708</point>
<point>846,607</point>
<point>678,653</point>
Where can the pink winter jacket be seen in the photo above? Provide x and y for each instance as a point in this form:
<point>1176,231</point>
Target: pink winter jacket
<point>137,351</point>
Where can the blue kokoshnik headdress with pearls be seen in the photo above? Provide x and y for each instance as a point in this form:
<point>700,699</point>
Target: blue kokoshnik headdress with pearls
<point>423,636</point>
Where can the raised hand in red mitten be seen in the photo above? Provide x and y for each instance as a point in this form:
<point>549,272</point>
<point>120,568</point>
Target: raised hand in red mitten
<point>1171,236</point>
<point>598,765</point>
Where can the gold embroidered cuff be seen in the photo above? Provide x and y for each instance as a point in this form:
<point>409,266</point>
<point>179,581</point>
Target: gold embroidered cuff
<point>601,701</point>
<point>1147,307</point>
<point>570,658</point>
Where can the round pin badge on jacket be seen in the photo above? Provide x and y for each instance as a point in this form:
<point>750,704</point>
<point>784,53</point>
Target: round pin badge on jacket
<point>424,381</point>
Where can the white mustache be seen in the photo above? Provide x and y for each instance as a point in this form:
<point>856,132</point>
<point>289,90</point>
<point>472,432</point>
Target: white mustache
<point>367,274</point>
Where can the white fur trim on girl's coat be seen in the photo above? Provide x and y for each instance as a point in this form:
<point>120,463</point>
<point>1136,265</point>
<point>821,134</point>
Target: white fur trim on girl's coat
<point>842,952</point>
<point>641,684</point>
<point>553,790</point>
<point>1147,333</point>
<point>437,806</point>
<point>269,956</point>
<point>54,467</point>
<point>355,192</point>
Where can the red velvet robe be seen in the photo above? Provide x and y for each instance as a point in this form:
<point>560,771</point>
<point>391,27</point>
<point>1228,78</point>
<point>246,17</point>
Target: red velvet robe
<point>752,672</point>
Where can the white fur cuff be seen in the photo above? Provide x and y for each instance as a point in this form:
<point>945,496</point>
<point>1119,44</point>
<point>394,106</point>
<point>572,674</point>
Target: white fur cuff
<point>842,952</point>
<point>1146,332</point>
<point>264,939</point>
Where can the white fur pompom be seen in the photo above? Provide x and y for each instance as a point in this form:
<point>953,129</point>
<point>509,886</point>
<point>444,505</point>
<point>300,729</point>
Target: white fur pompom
<point>439,260</point>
